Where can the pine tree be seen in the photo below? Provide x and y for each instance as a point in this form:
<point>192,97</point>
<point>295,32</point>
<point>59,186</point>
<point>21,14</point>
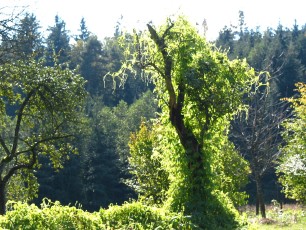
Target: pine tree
<point>28,37</point>
<point>84,33</point>
<point>58,47</point>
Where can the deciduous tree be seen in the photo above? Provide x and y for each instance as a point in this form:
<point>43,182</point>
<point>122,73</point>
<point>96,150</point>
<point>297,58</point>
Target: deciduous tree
<point>198,88</point>
<point>39,113</point>
<point>292,168</point>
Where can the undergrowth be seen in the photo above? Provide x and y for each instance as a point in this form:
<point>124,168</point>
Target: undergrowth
<point>290,216</point>
<point>53,215</point>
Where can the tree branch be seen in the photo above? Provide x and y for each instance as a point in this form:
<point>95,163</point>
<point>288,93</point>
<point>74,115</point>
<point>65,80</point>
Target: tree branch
<point>160,42</point>
<point>20,166</point>
<point>19,119</point>
<point>7,151</point>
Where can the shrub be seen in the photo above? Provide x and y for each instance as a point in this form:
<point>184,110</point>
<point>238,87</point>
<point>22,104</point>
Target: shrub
<point>54,216</point>
<point>135,215</point>
<point>49,216</point>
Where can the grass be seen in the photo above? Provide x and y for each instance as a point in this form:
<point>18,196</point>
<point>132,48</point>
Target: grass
<point>291,217</point>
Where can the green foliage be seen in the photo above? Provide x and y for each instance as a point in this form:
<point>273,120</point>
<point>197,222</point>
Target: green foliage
<point>150,179</point>
<point>24,39</point>
<point>198,89</point>
<point>29,41</point>
<point>101,165</point>
<point>57,43</point>
<point>92,65</point>
<point>229,168</point>
<point>40,113</point>
<point>104,160</point>
<point>47,101</point>
<point>50,216</point>
<point>23,186</point>
<point>292,168</point>
<point>53,216</point>
<point>135,215</point>
<point>84,33</point>
<point>217,208</point>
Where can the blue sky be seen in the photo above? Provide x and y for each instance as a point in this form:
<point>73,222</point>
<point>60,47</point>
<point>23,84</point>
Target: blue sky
<point>101,16</point>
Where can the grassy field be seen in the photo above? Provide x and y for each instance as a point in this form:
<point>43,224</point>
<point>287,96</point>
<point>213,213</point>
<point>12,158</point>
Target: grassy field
<point>291,217</point>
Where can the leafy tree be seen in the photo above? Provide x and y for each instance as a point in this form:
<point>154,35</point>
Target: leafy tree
<point>45,101</point>
<point>198,88</point>
<point>149,180</point>
<point>130,119</point>
<point>151,168</point>
<point>58,47</point>
<point>230,170</point>
<point>292,168</point>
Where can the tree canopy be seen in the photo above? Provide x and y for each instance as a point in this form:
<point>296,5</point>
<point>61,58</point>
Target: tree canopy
<point>292,168</point>
<point>199,89</point>
<point>39,114</point>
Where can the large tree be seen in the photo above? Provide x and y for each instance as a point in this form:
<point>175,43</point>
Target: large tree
<point>39,109</point>
<point>198,89</point>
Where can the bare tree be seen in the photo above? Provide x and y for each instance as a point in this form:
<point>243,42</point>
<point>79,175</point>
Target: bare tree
<point>256,133</point>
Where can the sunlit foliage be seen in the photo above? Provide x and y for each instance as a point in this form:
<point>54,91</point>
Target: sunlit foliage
<point>292,169</point>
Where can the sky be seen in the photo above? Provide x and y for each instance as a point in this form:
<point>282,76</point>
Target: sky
<point>101,16</point>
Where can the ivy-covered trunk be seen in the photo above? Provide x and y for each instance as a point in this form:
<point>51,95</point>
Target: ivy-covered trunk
<point>196,199</point>
<point>199,88</point>
<point>191,145</point>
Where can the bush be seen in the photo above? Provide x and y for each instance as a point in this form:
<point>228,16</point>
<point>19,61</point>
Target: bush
<point>135,215</point>
<point>50,216</point>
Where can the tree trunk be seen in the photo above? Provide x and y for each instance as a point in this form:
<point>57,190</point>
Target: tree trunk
<point>199,179</point>
<point>176,103</point>
<point>260,196</point>
<point>2,198</point>
<point>257,205</point>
